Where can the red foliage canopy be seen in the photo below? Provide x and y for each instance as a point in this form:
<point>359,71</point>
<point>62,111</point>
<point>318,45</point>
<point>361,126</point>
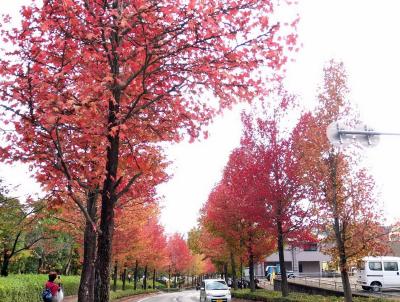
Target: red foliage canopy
<point>179,254</point>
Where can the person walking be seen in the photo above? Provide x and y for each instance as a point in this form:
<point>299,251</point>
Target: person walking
<point>55,289</point>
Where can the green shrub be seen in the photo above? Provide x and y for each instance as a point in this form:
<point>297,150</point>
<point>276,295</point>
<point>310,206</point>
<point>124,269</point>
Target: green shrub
<point>130,292</point>
<point>275,296</point>
<point>23,288</point>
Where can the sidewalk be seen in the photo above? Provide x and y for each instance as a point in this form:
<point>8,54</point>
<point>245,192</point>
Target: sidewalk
<point>265,284</point>
<point>125,299</point>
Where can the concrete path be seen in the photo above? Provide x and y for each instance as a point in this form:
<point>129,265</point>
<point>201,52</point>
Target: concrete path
<point>126,299</point>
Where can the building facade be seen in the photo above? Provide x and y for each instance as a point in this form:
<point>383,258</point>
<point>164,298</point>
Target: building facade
<point>305,260</point>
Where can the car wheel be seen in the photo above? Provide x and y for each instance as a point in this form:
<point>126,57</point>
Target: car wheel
<point>376,286</point>
<point>365,287</point>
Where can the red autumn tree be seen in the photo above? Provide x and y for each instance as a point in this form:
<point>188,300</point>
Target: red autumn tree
<point>266,177</point>
<point>91,87</point>
<point>341,187</point>
<point>179,255</point>
<point>231,218</point>
<point>140,240</point>
<point>156,256</point>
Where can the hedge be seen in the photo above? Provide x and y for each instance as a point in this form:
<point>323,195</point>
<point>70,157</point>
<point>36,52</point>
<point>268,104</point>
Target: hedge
<point>275,296</point>
<point>130,292</point>
<point>23,288</point>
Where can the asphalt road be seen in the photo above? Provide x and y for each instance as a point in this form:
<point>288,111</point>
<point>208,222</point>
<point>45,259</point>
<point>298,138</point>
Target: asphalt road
<point>183,296</point>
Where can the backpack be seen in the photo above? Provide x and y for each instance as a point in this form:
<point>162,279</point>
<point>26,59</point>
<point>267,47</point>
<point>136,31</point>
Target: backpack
<point>46,295</point>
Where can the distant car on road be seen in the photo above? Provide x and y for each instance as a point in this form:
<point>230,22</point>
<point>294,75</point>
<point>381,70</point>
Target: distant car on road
<point>214,290</point>
<point>290,274</point>
<point>276,269</point>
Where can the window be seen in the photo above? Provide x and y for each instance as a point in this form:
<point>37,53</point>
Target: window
<point>375,266</point>
<point>310,247</point>
<point>214,285</point>
<point>390,266</point>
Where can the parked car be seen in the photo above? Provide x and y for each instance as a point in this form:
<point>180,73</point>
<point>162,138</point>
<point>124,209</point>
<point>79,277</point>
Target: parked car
<point>289,274</point>
<point>214,290</point>
<point>375,273</point>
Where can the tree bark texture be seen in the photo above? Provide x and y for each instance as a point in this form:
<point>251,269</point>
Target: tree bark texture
<point>4,265</point>
<point>340,231</point>
<point>145,278</point>
<point>135,275</point>
<point>251,270</point>
<point>233,267</point>
<point>86,286</point>
<point>109,195</point>
<point>103,267</point>
<point>226,272</point>
<point>123,279</point>
<point>115,277</point>
<point>284,284</point>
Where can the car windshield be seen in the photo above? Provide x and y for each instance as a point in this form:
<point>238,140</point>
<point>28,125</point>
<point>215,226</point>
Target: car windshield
<point>216,285</point>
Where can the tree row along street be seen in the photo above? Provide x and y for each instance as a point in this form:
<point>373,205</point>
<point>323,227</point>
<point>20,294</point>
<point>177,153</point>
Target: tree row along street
<point>92,92</point>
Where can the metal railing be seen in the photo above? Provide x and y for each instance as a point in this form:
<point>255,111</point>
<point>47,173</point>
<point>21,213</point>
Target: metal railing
<point>335,283</point>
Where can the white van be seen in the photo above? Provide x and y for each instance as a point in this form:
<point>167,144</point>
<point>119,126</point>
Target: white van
<point>375,273</point>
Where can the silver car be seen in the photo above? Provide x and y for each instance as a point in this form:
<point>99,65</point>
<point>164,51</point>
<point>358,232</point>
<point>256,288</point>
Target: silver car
<point>215,290</point>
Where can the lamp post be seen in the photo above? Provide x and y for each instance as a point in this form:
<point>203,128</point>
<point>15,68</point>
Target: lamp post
<point>338,135</point>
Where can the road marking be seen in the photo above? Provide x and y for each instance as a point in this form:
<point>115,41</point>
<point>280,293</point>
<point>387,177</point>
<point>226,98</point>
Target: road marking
<point>176,299</point>
<point>152,296</point>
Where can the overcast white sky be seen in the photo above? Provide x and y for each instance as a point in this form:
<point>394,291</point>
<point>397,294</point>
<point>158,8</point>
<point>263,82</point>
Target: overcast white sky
<point>362,33</point>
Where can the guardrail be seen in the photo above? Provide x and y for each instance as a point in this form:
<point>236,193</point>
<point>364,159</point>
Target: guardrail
<point>336,284</point>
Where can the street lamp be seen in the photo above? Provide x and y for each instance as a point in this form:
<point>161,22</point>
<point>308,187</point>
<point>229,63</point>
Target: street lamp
<point>338,135</point>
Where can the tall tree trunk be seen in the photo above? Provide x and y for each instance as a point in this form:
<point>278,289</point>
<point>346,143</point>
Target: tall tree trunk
<point>7,255</point>
<point>124,279</point>
<point>86,286</point>
<point>4,265</point>
<point>169,276</point>
<point>241,271</point>
<point>135,275</point>
<point>109,194</point>
<point>39,264</point>
<point>343,264</point>
<point>67,266</point>
<point>340,232</point>
<point>284,282</point>
<point>226,271</point>
<point>154,278</point>
<point>251,270</point>
<point>145,278</point>
<point>115,276</point>
<point>233,267</point>
<point>103,263</point>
